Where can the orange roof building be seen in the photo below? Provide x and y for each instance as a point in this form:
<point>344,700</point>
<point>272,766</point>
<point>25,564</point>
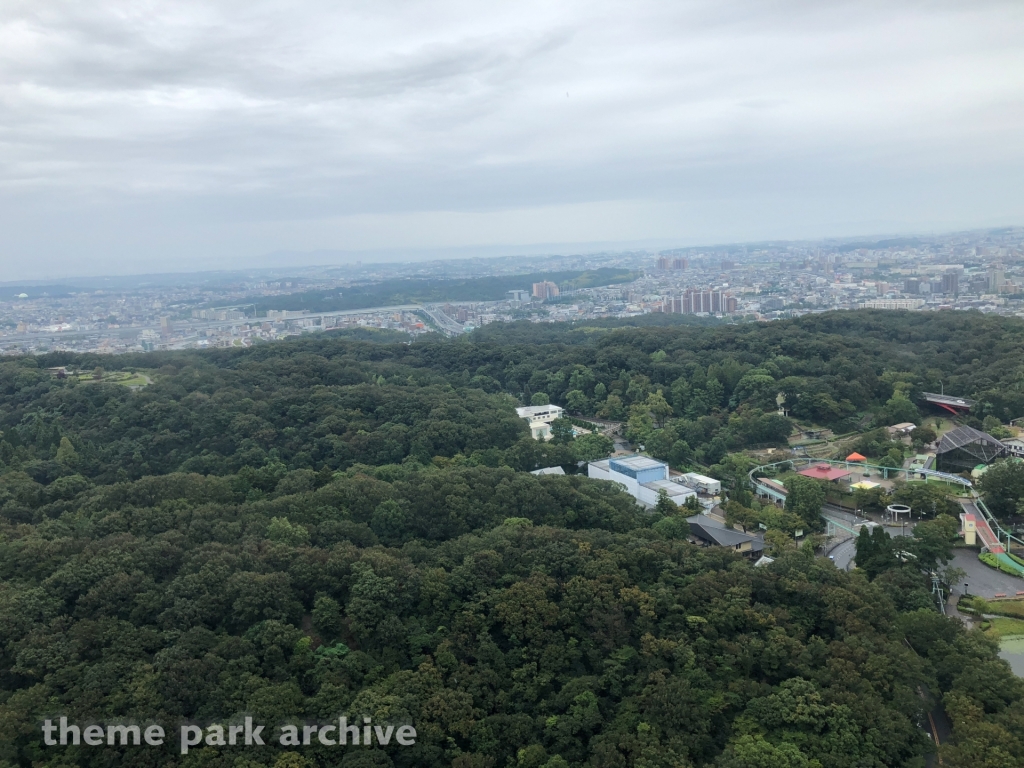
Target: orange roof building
<point>856,457</point>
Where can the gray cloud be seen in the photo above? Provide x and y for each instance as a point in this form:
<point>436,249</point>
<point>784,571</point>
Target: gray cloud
<point>135,134</point>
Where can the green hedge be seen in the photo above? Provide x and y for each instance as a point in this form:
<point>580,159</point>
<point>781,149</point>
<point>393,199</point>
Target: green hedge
<point>584,424</point>
<point>992,562</point>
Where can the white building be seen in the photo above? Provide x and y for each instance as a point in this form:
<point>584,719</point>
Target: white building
<point>702,484</point>
<point>1014,447</point>
<point>898,430</point>
<point>893,304</point>
<point>644,478</point>
<point>548,471</point>
<point>540,418</point>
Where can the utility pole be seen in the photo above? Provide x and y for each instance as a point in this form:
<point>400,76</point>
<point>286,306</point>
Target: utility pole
<point>937,591</point>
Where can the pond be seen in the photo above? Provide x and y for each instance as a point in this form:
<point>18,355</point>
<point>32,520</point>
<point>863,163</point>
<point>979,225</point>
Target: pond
<point>1012,649</point>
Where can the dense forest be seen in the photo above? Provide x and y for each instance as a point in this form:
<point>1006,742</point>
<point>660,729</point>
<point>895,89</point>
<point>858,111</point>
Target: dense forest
<point>303,530</point>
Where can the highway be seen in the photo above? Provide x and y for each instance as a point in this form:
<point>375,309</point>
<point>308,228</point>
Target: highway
<point>445,323</point>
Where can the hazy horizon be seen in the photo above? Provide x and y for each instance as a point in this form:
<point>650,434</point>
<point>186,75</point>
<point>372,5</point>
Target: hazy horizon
<point>193,136</point>
<point>299,260</point>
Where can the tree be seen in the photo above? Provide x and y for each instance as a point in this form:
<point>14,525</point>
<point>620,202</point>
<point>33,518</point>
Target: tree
<point>897,410</point>
<point>66,453</point>
<point>539,398</point>
<point>995,427</point>
<point>758,388</point>
<point>389,521</point>
<point>1003,486</point>
<point>576,401</point>
<point>923,435</point>
<point>613,408</point>
<point>660,441</point>
<point>933,541</point>
<point>805,498</point>
<point>680,394</point>
<point>673,526</point>
<point>592,447</point>
<point>638,389</point>
<point>714,392</point>
<point>97,373</point>
<point>640,424</point>
<point>327,617</point>
<point>561,431</point>
<point>893,458</point>
<point>680,454</point>
<point>926,499</point>
<point>658,407</point>
<point>870,498</point>
<point>777,542</point>
<point>875,551</point>
<point>665,505</point>
<point>285,532</point>
<point>754,751</point>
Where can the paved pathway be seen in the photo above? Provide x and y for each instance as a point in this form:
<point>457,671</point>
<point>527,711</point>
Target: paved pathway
<point>980,579</point>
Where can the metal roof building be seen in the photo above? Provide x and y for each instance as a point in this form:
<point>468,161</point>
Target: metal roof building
<point>964,448</point>
<point>709,532</point>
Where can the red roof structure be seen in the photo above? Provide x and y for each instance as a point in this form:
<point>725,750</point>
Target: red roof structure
<point>856,457</point>
<point>825,472</point>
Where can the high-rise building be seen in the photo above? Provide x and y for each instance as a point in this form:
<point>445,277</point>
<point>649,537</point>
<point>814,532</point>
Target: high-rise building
<point>912,285</point>
<point>165,326</point>
<point>996,277</point>
<point>694,302</point>
<point>664,263</point>
<point>951,284</point>
<point>679,264</point>
<point>731,305</point>
<point>545,290</point>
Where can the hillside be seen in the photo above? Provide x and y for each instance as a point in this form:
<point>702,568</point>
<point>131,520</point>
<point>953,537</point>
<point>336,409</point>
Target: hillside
<point>327,527</point>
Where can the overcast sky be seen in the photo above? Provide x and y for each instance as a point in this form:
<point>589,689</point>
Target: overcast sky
<point>163,135</point>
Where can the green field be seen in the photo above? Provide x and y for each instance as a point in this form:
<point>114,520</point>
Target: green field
<point>1011,608</point>
<point>1002,627</point>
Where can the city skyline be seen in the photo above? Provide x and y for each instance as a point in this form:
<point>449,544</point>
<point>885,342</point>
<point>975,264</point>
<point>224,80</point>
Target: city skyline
<point>980,271</point>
